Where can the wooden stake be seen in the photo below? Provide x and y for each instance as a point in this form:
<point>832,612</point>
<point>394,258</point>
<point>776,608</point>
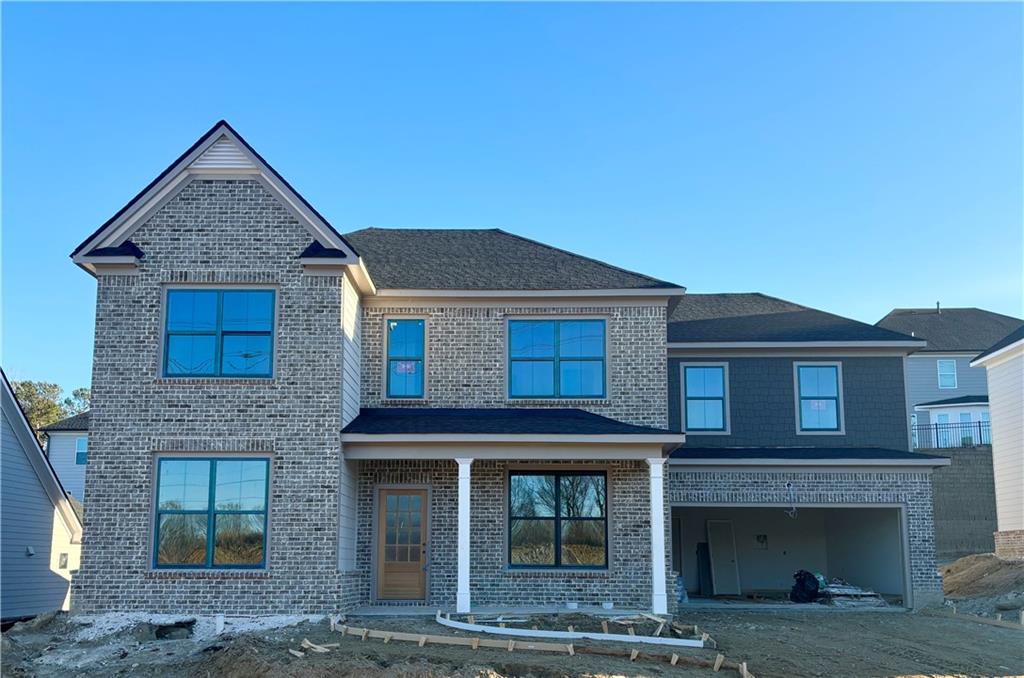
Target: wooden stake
<point>572,650</point>
<point>743,670</point>
<point>511,645</point>
<point>571,629</point>
<point>366,633</point>
<point>296,653</point>
<point>674,660</point>
<point>657,631</point>
<point>476,643</point>
<point>423,641</point>
<point>718,661</point>
<point>633,655</point>
<point>604,625</point>
<point>631,631</point>
<point>472,620</point>
<point>387,638</point>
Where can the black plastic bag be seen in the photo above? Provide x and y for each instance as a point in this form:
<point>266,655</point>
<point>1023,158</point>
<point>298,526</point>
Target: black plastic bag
<point>805,587</point>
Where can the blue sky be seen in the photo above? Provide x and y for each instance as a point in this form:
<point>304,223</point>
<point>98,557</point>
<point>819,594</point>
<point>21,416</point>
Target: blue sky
<point>849,157</point>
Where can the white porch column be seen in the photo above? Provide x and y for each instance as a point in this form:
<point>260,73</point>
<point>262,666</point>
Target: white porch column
<point>659,601</point>
<point>462,591</point>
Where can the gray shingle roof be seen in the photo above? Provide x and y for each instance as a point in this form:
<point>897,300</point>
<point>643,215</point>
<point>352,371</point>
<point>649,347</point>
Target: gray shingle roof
<point>952,329</point>
<point>483,259</point>
<point>512,420</point>
<point>78,422</point>
<point>1011,338</point>
<point>797,453</point>
<point>757,317</point>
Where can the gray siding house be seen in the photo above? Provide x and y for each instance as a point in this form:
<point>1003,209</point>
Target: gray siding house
<point>67,448</point>
<point>797,451</point>
<point>947,397</point>
<point>40,534</point>
<point>285,418</point>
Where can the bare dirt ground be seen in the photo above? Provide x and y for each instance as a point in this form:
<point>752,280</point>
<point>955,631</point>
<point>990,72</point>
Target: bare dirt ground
<point>778,644</point>
<point>985,585</point>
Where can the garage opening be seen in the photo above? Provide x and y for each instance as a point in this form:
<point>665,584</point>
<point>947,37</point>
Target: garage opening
<point>750,554</point>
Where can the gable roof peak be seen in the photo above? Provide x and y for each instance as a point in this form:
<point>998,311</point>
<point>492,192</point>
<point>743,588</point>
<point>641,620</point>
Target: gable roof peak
<point>220,151</point>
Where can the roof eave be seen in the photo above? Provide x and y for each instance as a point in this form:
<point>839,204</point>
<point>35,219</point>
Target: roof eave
<point>673,439</point>
<point>909,463</point>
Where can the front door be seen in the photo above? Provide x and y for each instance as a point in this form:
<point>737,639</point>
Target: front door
<point>402,545</point>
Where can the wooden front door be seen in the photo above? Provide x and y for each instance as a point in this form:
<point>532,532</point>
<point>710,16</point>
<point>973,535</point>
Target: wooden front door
<point>402,545</point>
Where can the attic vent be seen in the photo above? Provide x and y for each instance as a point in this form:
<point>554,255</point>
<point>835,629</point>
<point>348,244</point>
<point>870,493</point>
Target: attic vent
<point>224,154</point>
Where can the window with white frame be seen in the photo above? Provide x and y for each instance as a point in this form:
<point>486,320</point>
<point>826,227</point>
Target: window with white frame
<point>947,373</point>
<point>819,397</point>
<point>406,357</point>
<point>706,398</point>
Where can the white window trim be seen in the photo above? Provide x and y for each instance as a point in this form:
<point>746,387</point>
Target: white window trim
<point>796,398</point>
<point>938,369</point>
<point>384,359</point>
<point>725,404</point>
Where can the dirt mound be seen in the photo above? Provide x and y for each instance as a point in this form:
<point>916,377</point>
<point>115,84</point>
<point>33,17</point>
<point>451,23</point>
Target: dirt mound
<point>982,575</point>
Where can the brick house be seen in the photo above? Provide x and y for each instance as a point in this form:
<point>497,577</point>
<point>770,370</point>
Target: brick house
<point>288,419</point>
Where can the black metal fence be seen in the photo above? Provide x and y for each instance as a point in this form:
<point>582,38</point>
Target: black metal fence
<point>956,434</point>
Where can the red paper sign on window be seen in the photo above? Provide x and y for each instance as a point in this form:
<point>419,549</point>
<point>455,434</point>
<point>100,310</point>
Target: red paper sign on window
<point>405,367</point>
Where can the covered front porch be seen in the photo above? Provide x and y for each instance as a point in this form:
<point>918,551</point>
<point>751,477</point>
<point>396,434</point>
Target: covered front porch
<point>561,507</point>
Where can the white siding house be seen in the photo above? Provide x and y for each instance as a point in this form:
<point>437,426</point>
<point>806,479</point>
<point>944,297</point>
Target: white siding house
<point>1005,365</point>
<point>67,448</point>
<point>40,534</point>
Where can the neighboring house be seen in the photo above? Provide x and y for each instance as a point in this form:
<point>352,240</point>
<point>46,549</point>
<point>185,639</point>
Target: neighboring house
<point>797,452</point>
<point>947,398</point>
<point>40,534</point>
<point>67,448</point>
<point>1004,363</point>
<point>288,419</point>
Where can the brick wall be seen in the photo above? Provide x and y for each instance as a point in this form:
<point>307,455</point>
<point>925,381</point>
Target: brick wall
<point>763,409</point>
<point>965,502</point>
<point>626,582</point>
<point>911,490</point>
<point>226,232</point>
<point>466,356</point>
<point>1009,544</point>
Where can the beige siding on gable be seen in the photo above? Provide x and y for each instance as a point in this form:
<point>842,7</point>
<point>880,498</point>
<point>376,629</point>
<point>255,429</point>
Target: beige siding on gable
<point>1006,402</point>
<point>351,316</point>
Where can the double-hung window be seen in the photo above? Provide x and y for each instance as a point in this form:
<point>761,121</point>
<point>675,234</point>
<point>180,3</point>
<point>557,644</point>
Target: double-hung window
<point>211,512</point>
<point>819,400</point>
<point>558,519</point>
<point>947,373</point>
<point>406,350</point>
<point>556,358</point>
<point>705,391</point>
<point>219,333</point>
<point>81,450</point>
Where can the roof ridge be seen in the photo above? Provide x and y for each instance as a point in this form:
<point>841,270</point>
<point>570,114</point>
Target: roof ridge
<point>583,256</point>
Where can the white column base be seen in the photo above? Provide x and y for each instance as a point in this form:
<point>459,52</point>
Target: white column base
<point>659,598</point>
<point>462,599</point>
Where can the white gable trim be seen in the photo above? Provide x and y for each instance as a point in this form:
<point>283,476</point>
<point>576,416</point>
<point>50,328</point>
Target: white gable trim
<point>54,490</point>
<point>221,154</point>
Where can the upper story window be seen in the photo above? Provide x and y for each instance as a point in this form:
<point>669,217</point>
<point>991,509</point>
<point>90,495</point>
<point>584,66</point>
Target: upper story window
<point>211,513</point>
<point>558,519</point>
<point>947,373</point>
<point>819,397</point>
<point>705,398</point>
<point>556,358</point>
<point>406,353</point>
<point>81,450</point>
<point>219,333</point>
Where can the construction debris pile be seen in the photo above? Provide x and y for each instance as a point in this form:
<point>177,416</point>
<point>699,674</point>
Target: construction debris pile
<point>812,587</point>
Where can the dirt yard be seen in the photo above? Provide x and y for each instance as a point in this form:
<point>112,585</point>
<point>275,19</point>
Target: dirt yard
<point>833,643</point>
<point>985,585</point>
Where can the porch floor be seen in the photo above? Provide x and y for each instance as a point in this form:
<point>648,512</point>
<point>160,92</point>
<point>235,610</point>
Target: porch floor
<point>490,610</point>
<point>698,604</point>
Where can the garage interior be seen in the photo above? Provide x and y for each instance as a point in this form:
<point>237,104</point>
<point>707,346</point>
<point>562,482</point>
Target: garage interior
<point>751,553</point>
